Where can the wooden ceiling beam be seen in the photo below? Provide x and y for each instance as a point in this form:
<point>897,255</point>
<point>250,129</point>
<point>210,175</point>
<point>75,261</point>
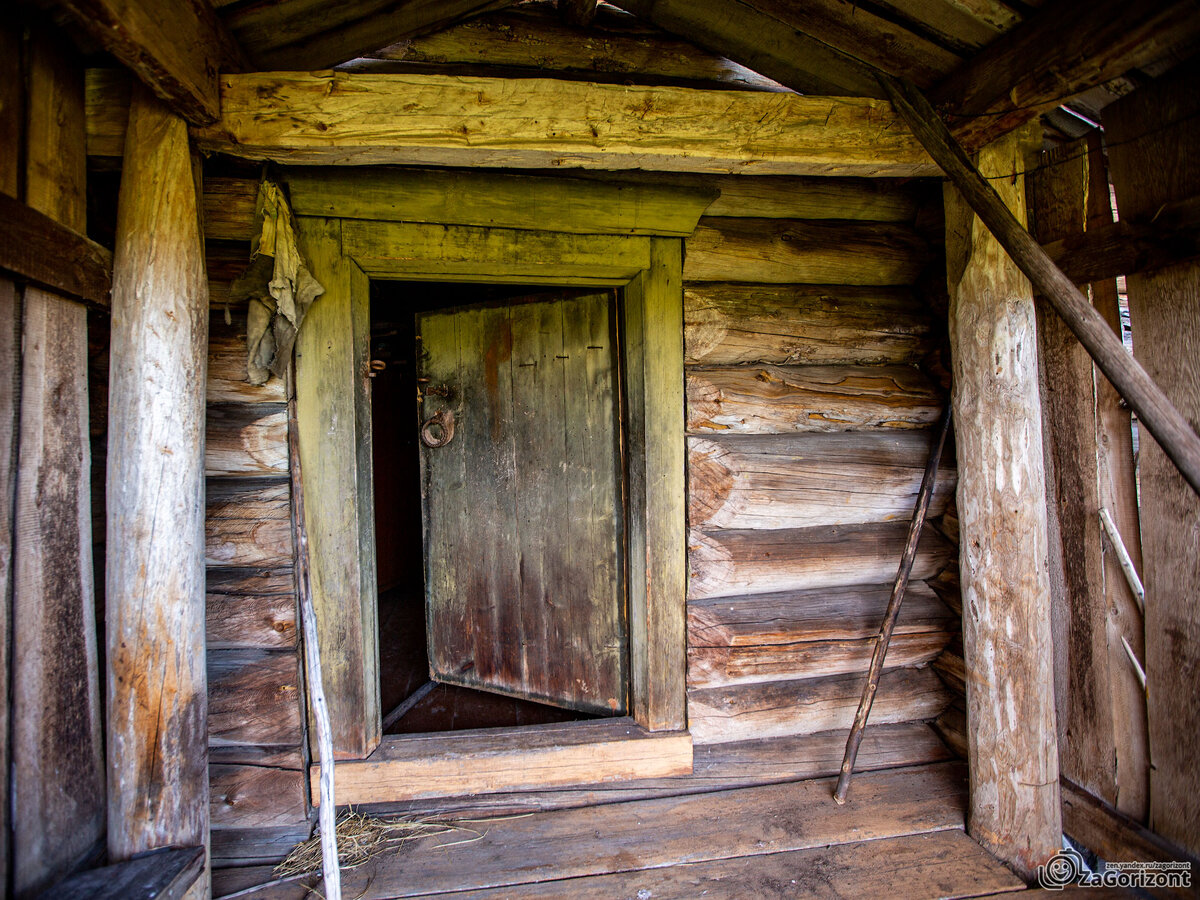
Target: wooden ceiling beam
<point>303,35</point>
<point>178,50</point>
<point>339,118</point>
<point>1065,48</point>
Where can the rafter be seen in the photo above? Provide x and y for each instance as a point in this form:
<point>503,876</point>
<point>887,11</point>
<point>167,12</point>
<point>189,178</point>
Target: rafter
<point>176,49</point>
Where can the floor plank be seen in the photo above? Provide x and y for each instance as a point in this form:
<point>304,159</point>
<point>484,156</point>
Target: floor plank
<point>933,865</point>
<point>654,834</point>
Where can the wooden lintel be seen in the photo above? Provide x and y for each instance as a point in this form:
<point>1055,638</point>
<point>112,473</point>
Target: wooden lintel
<point>37,249</point>
<point>1131,246</point>
<point>1065,48</point>
<point>343,118</point>
<point>177,54</point>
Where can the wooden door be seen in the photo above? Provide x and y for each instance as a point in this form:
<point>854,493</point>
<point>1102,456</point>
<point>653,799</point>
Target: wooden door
<point>522,506</point>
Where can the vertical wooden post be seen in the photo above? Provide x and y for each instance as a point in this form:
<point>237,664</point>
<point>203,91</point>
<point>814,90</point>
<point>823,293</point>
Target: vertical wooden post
<point>58,766</point>
<point>157,703</point>
<point>1013,754</point>
<point>1100,731</point>
<point>1154,150</point>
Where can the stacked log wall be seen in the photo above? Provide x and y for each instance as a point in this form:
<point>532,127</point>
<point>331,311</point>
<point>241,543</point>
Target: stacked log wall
<point>813,343</point>
<point>257,745</point>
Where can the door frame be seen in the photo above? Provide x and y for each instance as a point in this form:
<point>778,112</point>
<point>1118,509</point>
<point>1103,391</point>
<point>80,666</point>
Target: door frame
<point>384,224</point>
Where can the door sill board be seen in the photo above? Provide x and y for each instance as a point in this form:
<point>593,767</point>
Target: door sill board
<point>493,760</point>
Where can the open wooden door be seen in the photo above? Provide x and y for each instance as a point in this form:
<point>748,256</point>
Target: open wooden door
<point>522,499</point>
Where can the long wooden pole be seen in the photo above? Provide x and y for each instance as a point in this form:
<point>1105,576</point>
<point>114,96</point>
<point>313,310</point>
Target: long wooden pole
<point>893,610</point>
<point>157,687</point>
<point>1169,427</point>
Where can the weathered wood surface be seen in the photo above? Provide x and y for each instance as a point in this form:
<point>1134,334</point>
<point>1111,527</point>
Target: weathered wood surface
<point>731,324</point>
<point>248,522</point>
<point>37,248</point>
<point>759,561</point>
<point>530,475</point>
<point>404,250</point>
<point>796,481</point>
<point>497,200</point>
<point>229,205</point>
<point>309,35</point>
<point>176,55</point>
<point>1001,505</point>
<point>656,485</point>
<point>167,874</point>
<point>255,846</point>
<point>1155,164</point>
<point>334,449</point>
<point>246,439</point>
<point>1111,835</point>
<point>1170,427</point>
<point>614,47</point>
<point>904,866</point>
<point>254,697</point>
<point>256,797</point>
<point>227,379</point>
<point>278,756</point>
<point>1064,49</point>
<point>774,709</point>
<point>1088,668</point>
<point>344,118</point>
<point>808,634</point>
<point>157,706</point>
<point>106,101</point>
<point>1119,494</point>
<point>656,833</point>
<point>715,767</point>
<point>1169,235</point>
<point>509,759</point>
<point>57,763</point>
<point>250,608</point>
<point>12,115</point>
<point>791,399</point>
<point>801,252</point>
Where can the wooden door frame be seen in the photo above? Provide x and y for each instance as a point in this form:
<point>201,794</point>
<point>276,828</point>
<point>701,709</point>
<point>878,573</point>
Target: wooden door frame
<point>396,241</point>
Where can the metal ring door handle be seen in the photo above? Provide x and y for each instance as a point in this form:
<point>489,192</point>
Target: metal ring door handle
<point>442,421</point>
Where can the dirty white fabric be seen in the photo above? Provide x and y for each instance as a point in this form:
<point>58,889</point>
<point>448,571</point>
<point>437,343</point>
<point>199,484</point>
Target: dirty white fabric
<point>278,285</point>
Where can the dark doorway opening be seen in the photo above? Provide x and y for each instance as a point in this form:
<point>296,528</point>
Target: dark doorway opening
<point>410,702</point>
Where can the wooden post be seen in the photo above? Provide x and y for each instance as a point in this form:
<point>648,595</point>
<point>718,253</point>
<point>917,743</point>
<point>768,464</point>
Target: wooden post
<point>57,756</point>
<point>157,702</point>
<point>1013,752</point>
<point>1101,726</point>
<point>1153,140</point>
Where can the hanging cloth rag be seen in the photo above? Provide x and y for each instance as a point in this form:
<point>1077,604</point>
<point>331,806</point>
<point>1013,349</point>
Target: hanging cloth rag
<point>278,285</point>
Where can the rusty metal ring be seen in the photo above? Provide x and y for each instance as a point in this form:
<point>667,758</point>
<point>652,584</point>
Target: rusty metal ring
<point>442,420</point>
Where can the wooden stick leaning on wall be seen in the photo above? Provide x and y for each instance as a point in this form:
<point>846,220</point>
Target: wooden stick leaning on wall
<point>1168,426</point>
<point>893,610</point>
<point>327,813</point>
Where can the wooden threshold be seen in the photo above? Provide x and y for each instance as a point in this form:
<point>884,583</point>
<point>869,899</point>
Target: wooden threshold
<point>512,854</point>
<point>491,760</point>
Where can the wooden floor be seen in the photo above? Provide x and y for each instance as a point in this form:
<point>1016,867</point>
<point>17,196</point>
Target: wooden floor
<point>900,835</point>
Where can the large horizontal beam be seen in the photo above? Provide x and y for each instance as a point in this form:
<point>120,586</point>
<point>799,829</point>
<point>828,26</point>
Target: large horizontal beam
<point>342,118</point>
<point>1065,48</point>
<point>176,49</point>
<point>40,250</point>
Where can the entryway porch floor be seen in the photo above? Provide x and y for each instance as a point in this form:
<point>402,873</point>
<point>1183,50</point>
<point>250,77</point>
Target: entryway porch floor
<point>899,835</point>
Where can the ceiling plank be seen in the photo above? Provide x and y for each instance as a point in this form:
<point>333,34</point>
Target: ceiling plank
<point>742,32</point>
<point>177,49</point>
<point>1064,48</point>
<point>341,118</point>
<point>303,35</point>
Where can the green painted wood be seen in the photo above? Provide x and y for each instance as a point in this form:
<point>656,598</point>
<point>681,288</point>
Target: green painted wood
<point>453,252</point>
<point>333,418</point>
<point>521,506</point>
<point>447,197</point>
